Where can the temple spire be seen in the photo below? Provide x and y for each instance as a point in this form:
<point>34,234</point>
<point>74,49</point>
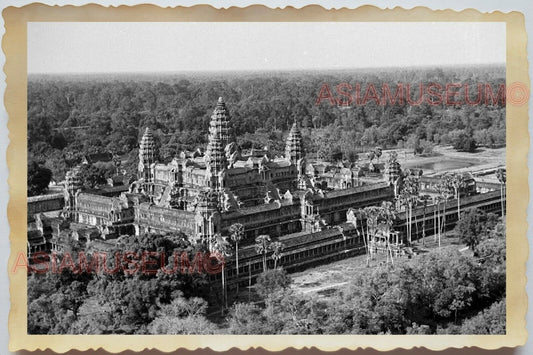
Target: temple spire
<point>219,137</point>
<point>220,123</point>
<point>146,155</point>
<point>294,148</point>
<point>73,184</point>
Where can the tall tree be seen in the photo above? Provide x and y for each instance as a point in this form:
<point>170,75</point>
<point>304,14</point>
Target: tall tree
<point>276,247</point>
<point>182,316</point>
<point>457,183</point>
<point>237,233</point>
<point>488,321</point>
<point>387,215</point>
<point>502,178</point>
<point>262,244</point>
<point>38,178</point>
<point>221,247</point>
<point>361,215</point>
<point>474,225</point>
<point>272,281</point>
<point>443,190</point>
<point>408,194</point>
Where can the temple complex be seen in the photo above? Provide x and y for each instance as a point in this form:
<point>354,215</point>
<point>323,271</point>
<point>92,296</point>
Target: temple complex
<point>308,205</point>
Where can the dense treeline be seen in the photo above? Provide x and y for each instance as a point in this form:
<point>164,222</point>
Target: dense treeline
<point>120,294</point>
<point>71,116</point>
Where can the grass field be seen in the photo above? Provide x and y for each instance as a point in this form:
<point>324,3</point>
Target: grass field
<point>446,158</point>
<point>326,280</point>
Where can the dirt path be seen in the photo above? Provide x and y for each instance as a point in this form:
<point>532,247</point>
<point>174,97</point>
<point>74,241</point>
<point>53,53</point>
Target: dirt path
<point>325,287</point>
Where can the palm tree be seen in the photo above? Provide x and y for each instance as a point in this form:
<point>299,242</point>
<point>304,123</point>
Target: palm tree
<point>424,223</point>
<point>435,204</point>
<point>276,247</point>
<point>387,215</point>
<point>361,214</point>
<point>237,233</point>
<point>458,182</point>
<point>410,189</point>
<point>439,199</point>
<point>403,200</point>
<point>502,177</point>
<point>221,247</point>
<point>444,193</point>
<point>371,213</point>
<point>262,244</point>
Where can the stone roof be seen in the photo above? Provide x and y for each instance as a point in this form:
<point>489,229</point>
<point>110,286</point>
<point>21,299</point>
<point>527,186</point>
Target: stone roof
<point>355,190</point>
<point>169,211</point>
<point>99,157</point>
<point>95,198</point>
<point>34,234</point>
<point>295,240</point>
<point>246,211</point>
<point>280,162</point>
<point>107,191</point>
<point>45,197</point>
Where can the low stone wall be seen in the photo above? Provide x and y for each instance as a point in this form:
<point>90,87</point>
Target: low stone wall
<point>45,203</point>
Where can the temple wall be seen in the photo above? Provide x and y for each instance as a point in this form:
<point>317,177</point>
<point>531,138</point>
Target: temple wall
<point>484,186</point>
<point>429,184</point>
<point>101,210</point>
<point>194,179</point>
<point>153,218</point>
<point>333,208</point>
<point>275,221</point>
<point>267,219</point>
<point>301,252</point>
<point>240,177</point>
<point>425,218</point>
<point>45,203</point>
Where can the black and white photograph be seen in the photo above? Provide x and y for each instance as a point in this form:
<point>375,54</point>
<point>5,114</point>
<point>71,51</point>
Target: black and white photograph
<point>266,178</point>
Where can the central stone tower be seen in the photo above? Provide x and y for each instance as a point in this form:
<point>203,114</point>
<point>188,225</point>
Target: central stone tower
<point>220,127</point>
<point>220,135</point>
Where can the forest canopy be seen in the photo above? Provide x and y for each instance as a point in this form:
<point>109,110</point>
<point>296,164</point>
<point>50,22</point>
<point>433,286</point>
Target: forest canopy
<point>71,116</point>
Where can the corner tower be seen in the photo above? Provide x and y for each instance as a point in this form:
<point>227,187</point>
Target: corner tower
<point>294,147</point>
<point>146,155</point>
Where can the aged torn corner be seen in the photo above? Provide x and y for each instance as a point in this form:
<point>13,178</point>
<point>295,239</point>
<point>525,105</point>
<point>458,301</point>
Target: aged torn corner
<point>288,178</point>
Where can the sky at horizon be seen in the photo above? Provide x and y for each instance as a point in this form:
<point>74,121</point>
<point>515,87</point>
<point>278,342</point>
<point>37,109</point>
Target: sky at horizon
<point>125,47</point>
